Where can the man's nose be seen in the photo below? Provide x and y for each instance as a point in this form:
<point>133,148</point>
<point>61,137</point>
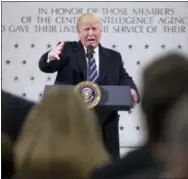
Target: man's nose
<point>90,32</point>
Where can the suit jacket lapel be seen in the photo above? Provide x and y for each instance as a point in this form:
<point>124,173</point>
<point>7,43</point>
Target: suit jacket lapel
<point>103,61</point>
<point>81,56</point>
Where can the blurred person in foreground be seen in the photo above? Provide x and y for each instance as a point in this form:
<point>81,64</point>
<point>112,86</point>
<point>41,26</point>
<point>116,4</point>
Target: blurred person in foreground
<point>176,150</point>
<point>164,80</point>
<point>172,158</point>
<point>60,139</point>
<point>7,168</point>
<point>14,111</point>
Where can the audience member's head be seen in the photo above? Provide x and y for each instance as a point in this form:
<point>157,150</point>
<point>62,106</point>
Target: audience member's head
<point>61,137</point>
<point>164,81</point>
<point>14,111</point>
<point>7,168</point>
<point>177,139</point>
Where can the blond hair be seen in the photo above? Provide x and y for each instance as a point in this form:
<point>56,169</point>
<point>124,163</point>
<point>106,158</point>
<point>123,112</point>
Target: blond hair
<point>87,18</point>
<point>60,136</point>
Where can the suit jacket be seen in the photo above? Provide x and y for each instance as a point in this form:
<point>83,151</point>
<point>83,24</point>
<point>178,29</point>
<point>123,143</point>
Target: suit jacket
<point>14,112</point>
<point>134,163</point>
<point>151,173</point>
<point>72,69</point>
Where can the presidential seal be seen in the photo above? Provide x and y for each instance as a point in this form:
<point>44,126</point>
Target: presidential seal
<point>90,91</point>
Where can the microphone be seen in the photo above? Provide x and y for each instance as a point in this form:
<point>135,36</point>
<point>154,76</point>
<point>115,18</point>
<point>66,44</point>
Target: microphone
<point>90,51</point>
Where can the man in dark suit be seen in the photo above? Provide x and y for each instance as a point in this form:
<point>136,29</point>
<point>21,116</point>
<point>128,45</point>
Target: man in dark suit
<point>70,60</point>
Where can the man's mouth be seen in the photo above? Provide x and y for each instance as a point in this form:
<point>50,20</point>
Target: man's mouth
<point>91,40</point>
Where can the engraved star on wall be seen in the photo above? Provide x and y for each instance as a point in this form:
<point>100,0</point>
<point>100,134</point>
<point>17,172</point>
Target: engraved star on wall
<point>16,45</point>
<point>24,62</point>
<point>16,78</point>
<point>7,62</point>
<point>130,46</point>
<point>113,46</point>
<point>138,62</point>
<point>48,78</point>
<point>32,78</point>
<point>163,46</point>
<point>40,94</point>
<point>32,45</point>
<point>24,94</point>
<point>121,127</point>
<point>146,46</point>
<point>48,45</point>
<point>179,46</point>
